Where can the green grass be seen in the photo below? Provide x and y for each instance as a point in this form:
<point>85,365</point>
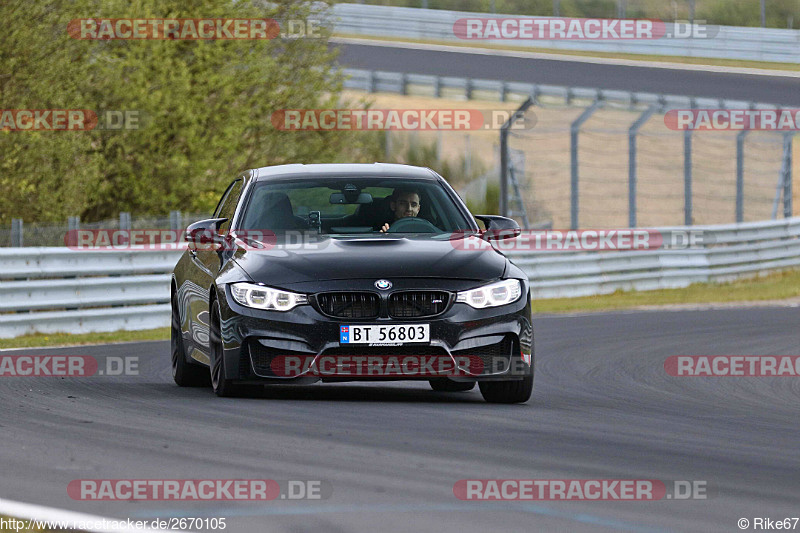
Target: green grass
<point>608,55</point>
<point>779,286</point>
<point>67,339</point>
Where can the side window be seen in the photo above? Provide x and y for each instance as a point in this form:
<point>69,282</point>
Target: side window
<point>227,206</point>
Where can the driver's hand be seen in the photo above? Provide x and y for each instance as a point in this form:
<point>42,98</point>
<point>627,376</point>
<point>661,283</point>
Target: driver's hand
<point>385,228</point>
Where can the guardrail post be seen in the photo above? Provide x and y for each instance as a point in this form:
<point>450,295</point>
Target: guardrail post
<point>404,84</point>
<point>371,81</point>
<point>437,87</point>
<point>175,222</point>
<point>740,175</point>
<point>504,92</point>
<point>124,221</point>
<point>17,240</point>
<point>574,130</point>
<point>787,175</point>
<point>468,89</point>
<point>632,133</point>
<point>687,177</point>
<point>73,223</point>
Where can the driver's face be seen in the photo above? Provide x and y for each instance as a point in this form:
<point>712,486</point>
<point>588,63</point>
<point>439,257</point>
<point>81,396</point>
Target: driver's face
<point>406,205</point>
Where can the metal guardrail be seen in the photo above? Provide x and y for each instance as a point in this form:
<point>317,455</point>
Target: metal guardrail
<point>48,290</point>
<point>57,289</point>
<point>728,42</point>
<point>735,250</point>
<point>402,83</point>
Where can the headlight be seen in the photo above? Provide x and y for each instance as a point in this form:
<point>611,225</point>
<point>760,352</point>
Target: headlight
<point>493,295</point>
<point>261,297</point>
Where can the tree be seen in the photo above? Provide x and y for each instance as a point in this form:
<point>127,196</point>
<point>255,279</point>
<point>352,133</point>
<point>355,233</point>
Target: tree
<point>204,108</point>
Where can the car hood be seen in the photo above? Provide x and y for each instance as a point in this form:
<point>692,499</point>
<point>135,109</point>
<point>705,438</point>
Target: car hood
<point>468,258</point>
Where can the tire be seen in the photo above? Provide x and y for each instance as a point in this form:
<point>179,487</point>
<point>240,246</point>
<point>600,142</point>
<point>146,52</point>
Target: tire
<point>184,373</point>
<point>448,385</point>
<point>507,391</point>
<point>222,386</point>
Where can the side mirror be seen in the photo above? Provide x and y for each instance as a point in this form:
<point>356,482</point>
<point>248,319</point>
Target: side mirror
<point>202,235</point>
<point>499,228</point>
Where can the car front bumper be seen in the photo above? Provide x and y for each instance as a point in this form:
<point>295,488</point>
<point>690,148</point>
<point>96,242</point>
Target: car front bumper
<point>500,338</point>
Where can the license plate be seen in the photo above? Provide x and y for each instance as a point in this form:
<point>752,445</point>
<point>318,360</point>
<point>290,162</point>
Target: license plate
<point>395,334</point>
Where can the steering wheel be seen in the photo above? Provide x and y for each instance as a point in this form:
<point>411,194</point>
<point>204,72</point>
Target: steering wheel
<point>412,225</point>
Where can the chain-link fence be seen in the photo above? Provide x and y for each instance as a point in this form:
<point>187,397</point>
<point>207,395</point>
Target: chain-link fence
<point>22,233</point>
<point>610,164</point>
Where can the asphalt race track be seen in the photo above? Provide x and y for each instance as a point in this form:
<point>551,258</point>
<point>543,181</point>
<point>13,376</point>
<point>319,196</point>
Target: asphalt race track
<point>766,89</point>
<point>603,408</point>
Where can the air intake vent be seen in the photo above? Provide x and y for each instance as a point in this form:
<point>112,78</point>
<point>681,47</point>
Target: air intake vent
<point>417,304</point>
<point>349,304</point>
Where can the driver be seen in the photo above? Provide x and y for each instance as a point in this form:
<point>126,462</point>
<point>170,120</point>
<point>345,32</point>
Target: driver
<point>404,203</point>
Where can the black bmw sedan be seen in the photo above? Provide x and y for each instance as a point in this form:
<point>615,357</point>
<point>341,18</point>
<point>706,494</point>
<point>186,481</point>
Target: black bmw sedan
<point>350,272</point>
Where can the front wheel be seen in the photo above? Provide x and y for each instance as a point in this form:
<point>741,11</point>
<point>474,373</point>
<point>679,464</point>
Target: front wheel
<point>222,386</point>
<point>184,373</point>
<point>518,391</point>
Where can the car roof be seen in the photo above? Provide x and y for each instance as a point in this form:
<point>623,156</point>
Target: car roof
<point>354,170</point>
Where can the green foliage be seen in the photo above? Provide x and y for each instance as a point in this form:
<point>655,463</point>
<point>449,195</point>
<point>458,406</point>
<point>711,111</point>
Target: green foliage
<point>490,204</point>
<point>205,108</point>
<point>421,154</point>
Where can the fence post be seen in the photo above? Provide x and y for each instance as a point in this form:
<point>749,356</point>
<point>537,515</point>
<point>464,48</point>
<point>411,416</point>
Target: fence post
<point>787,175</point>
<point>124,221</point>
<point>504,131</point>
<point>632,133</point>
<point>175,223</point>
<point>73,223</point>
<point>574,130</point>
<point>17,240</point>
<point>467,156</point>
<point>687,177</point>
<point>740,175</point>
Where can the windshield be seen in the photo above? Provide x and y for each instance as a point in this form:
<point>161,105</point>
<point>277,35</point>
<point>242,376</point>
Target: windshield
<point>352,206</point>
